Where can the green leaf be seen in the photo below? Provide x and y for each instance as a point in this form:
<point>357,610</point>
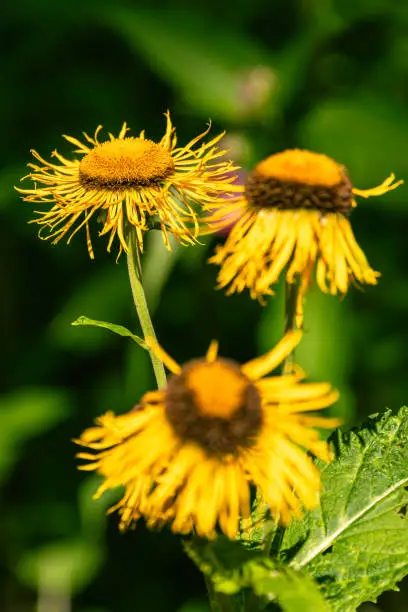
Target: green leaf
<point>106,294</point>
<point>223,561</point>
<point>356,543</point>
<point>263,530</point>
<point>116,329</point>
<point>25,414</point>
<point>229,79</point>
<point>232,568</point>
<point>293,590</point>
<point>63,567</point>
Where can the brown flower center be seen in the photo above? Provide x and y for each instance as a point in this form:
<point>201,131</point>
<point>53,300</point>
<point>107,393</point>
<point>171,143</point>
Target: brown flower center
<point>125,163</point>
<point>300,179</point>
<point>214,405</point>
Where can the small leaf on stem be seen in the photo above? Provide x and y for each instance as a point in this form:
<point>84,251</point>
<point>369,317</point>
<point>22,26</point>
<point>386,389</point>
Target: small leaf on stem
<point>116,329</point>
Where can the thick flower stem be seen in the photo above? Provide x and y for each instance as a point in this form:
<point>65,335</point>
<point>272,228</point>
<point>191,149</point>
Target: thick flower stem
<point>292,294</point>
<point>139,298</point>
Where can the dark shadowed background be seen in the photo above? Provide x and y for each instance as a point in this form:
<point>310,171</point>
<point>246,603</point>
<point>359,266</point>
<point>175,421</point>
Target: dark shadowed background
<point>328,75</point>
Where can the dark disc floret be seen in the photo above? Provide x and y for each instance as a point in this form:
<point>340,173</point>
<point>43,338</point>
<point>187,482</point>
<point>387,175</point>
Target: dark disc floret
<point>268,192</point>
<point>215,434</point>
<point>121,184</point>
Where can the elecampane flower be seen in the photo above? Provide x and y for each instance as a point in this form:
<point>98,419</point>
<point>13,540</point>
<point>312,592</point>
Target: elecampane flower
<point>294,213</point>
<point>188,454</point>
<point>129,182</point>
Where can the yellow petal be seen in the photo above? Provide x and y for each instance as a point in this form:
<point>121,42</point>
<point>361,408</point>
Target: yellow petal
<point>256,368</point>
<point>380,189</point>
<point>168,361</point>
<point>212,352</point>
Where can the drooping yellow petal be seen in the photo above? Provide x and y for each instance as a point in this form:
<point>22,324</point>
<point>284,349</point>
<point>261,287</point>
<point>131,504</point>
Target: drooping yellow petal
<point>189,455</point>
<point>314,404</point>
<point>133,179</point>
<point>168,361</point>
<point>296,393</point>
<point>256,368</point>
<point>293,218</point>
<point>212,352</point>
<point>323,422</point>
<point>380,190</point>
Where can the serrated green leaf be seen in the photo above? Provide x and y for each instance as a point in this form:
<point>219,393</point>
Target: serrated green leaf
<point>356,543</point>
<point>263,529</point>
<point>223,561</point>
<point>232,568</point>
<point>116,329</point>
<point>291,589</point>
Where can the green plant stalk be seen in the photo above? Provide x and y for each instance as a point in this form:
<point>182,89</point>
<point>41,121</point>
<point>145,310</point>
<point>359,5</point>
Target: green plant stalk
<point>219,602</point>
<point>139,298</point>
<point>273,532</point>
<point>273,539</point>
<point>291,302</point>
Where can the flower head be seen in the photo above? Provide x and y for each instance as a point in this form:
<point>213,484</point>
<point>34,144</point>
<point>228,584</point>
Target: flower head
<point>295,214</point>
<point>188,454</point>
<point>129,182</point>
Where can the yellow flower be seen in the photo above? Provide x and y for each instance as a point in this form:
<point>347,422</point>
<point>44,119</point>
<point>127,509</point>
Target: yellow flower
<point>295,214</point>
<point>128,182</point>
<point>188,454</point>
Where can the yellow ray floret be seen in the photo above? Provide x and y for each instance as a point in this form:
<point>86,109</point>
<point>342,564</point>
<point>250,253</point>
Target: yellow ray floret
<point>129,184</point>
<point>187,455</point>
<point>294,219</point>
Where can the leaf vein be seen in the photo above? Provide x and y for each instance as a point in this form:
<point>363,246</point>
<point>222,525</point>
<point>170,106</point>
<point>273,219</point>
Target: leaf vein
<point>327,542</point>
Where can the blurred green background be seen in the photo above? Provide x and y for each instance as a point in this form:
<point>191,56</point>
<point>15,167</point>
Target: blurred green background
<point>328,75</point>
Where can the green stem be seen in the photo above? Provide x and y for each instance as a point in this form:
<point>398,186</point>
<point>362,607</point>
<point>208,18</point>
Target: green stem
<point>139,298</point>
<point>291,303</point>
<point>274,542</point>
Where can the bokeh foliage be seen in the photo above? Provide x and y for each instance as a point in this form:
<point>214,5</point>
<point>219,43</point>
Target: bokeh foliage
<point>327,75</point>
